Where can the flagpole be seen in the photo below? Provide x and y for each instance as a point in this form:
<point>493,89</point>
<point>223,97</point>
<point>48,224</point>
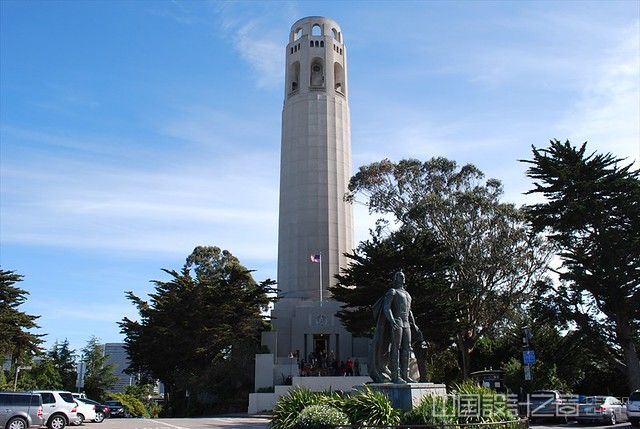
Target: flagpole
<point>320,279</point>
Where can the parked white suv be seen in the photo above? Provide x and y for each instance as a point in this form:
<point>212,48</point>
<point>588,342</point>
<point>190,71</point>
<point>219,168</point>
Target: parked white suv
<point>60,409</point>
<point>633,408</point>
<point>86,411</point>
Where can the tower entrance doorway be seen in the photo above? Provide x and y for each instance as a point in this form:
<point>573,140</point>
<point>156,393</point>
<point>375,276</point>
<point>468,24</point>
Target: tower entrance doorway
<point>321,344</point>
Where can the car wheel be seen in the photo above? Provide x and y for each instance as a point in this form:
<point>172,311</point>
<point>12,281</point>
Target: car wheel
<point>57,422</point>
<point>99,417</point>
<point>80,419</point>
<point>612,419</point>
<point>17,423</point>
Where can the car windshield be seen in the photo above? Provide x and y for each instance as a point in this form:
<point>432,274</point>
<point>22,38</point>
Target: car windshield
<point>635,396</point>
<point>595,400</point>
<point>89,401</point>
<point>68,397</point>
<point>114,403</point>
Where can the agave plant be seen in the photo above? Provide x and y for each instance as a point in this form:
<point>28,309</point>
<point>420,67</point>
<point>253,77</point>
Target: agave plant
<point>489,406</point>
<point>289,407</point>
<point>432,410</point>
<point>333,399</point>
<point>371,408</point>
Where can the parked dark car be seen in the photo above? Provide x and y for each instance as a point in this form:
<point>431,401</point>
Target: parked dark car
<point>117,410</point>
<point>102,411</point>
<point>20,410</point>
<point>606,409</point>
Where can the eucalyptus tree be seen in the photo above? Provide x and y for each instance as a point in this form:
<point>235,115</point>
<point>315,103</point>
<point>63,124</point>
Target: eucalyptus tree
<point>495,260</point>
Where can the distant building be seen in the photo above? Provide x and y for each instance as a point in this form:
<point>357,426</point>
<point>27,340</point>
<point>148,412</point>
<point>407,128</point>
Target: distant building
<point>118,357</point>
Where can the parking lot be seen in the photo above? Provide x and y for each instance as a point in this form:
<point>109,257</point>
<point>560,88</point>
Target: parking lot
<point>261,422</point>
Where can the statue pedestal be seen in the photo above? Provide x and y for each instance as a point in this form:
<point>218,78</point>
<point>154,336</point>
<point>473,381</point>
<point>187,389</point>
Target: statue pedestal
<point>407,396</point>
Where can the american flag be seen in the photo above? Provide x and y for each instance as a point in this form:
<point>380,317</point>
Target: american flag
<point>315,258</point>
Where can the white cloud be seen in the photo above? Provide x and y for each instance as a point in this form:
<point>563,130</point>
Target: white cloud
<point>218,194</point>
<point>256,34</point>
<point>607,112</point>
<point>265,56</point>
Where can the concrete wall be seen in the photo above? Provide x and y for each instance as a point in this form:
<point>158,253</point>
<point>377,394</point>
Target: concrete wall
<point>321,384</point>
<point>259,402</point>
<point>264,371</point>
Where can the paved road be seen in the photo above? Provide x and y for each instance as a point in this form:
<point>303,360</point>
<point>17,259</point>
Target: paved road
<point>252,422</point>
<point>574,425</point>
<point>262,422</point>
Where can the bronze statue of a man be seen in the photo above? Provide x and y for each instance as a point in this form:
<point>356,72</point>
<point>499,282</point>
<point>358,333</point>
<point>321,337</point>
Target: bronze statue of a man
<point>391,348</point>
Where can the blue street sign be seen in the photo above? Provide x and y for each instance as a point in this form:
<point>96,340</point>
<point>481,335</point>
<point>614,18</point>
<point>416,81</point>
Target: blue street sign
<point>529,357</point>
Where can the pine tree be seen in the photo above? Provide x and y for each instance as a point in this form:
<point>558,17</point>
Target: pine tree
<point>64,360</point>
<point>200,329</point>
<point>99,376</point>
<point>16,340</point>
<point>592,212</point>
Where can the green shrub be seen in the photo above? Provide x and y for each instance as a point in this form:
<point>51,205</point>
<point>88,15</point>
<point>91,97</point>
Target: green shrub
<point>131,404</point>
<point>321,416</point>
<point>154,409</point>
<point>492,407</point>
<point>432,410</point>
<point>289,407</point>
<point>371,408</point>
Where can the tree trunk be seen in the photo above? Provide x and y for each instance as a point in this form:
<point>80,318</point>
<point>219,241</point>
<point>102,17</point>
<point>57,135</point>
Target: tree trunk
<point>625,337</point>
<point>465,356</point>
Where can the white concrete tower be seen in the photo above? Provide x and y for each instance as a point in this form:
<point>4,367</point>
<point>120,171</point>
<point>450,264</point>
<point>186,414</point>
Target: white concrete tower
<point>315,168</point>
<point>315,162</point>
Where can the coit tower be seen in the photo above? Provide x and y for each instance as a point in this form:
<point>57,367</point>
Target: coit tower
<point>315,162</point>
<point>315,168</point>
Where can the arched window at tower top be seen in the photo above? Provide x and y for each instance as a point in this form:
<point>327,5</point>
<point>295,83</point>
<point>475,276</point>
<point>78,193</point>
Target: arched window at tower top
<point>335,33</point>
<point>297,34</point>
<point>338,77</point>
<point>317,73</point>
<point>316,30</point>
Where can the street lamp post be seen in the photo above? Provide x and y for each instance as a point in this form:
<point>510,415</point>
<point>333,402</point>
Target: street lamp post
<point>528,354</point>
<point>15,381</point>
<point>291,357</point>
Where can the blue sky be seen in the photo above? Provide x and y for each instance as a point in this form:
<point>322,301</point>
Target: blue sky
<point>132,131</point>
